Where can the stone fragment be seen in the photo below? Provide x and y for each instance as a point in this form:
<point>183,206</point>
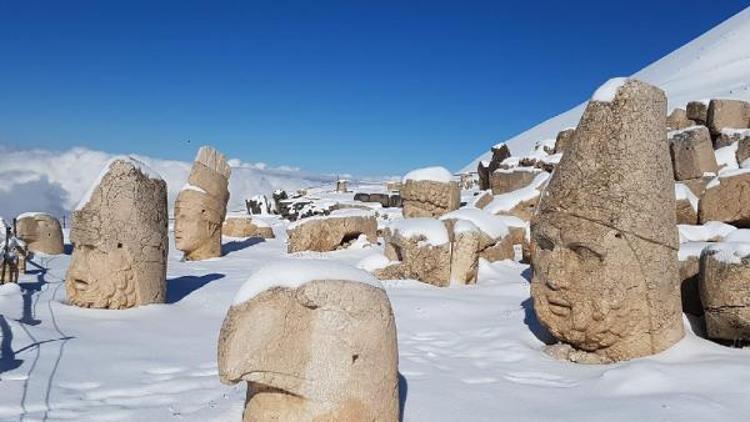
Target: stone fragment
<point>314,341</point>
<point>504,181</point>
<point>686,205</point>
<point>41,232</point>
<point>243,225</point>
<point>499,154</point>
<point>201,206</point>
<point>423,197</point>
<point>692,153</point>
<point>678,119</point>
<point>725,291</point>
<point>697,111</point>
<point>727,199</point>
<point>420,249</point>
<point>727,114</point>
<point>119,236</point>
<point>328,233</point>
<point>605,271</point>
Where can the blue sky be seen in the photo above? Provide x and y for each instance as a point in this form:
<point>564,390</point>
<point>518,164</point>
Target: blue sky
<point>367,88</point>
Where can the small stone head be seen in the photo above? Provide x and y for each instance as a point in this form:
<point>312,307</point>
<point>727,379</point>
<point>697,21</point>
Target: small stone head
<point>41,232</point>
<point>201,206</point>
<point>119,238</point>
<point>324,351</point>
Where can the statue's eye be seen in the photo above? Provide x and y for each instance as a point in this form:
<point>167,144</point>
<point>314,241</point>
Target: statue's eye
<point>545,243</point>
<point>585,252</point>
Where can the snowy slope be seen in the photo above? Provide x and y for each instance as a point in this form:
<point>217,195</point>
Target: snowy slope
<point>714,65</point>
<point>54,181</point>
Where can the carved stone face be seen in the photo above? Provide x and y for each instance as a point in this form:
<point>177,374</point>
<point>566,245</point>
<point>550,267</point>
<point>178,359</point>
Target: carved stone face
<point>588,287</point>
<point>324,351</point>
<point>41,232</point>
<point>120,242</point>
<point>195,223</point>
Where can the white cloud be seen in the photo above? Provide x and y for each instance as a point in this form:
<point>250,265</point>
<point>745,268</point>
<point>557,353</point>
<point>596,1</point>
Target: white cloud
<point>54,181</point>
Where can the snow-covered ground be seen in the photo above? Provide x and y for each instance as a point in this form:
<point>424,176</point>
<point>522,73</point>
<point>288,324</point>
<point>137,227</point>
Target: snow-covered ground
<point>466,354</point>
<point>714,65</point>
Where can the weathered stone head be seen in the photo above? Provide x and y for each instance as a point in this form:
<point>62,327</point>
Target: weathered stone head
<point>201,206</point>
<point>605,257</point>
<point>119,236</point>
<point>314,341</point>
<point>41,232</point>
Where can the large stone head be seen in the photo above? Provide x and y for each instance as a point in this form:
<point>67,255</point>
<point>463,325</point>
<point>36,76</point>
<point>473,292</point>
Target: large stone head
<point>315,341</point>
<point>119,236</point>
<point>605,257</point>
<point>201,206</point>
<point>41,232</point>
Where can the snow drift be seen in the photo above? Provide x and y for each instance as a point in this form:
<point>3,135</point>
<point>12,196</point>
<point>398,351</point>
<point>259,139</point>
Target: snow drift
<point>714,65</point>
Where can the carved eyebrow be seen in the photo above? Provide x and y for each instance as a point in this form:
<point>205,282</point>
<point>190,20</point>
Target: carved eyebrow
<point>591,248</point>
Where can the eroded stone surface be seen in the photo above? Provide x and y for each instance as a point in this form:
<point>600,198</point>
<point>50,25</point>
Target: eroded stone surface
<point>678,119</point>
<point>120,241</point>
<point>416,259</point>
<point>727,114</point>
<point>605,275</point>
<point>41,232</point>
<point>324,351</point>
<point>244,226</point>
<point>324,234</point>
<point>563,140</point>
<point>697,111</point>
<point>728,201</point>
<point>725,293</point>
<point>498,155</point>
<point>504,181</point>
<point>201,206</point>
<point>692,153</point>
<point>426,198</point>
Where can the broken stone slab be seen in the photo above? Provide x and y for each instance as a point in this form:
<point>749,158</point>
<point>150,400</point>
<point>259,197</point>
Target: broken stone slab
<point>697,111</point>
<point>429,192</point>
<point>243,225</point>
<point>727,199</point>
<point>727,114</point>
<point>725,291</point>
<point>692,153</point>
<point>331,232</point>
<point>504,181</point>
<point>678,119</point>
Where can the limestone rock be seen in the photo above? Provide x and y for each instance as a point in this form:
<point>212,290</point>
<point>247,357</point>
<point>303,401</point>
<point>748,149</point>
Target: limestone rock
<point>564,139</point>
<point>201,206</point>
<point>418,255</point>
<point>482,199</point>
<point>697,111</point>
<point>325,350</point>
<point>499,154</point>
<point>689,276</point>
<point>41,232</point>
<point>678,119</point>
<point>727,199</point>
<point>692,153</point>
<point>725,290</point>
<point>119,236</point>
<point>427,198</point>
<point>328,233</point>
<point>686,205</point>
<point>727,114</point>
<point>605,271</point>
<point>504,181</point>
<point>743,147</point>
<point>246,226</point>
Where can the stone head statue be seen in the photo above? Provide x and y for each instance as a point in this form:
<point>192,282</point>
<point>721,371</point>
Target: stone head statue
<point>119,236</point>
<point>201,206</point>
<point>605,270</point>
<point>41,232</point>
<point>325,350</point>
